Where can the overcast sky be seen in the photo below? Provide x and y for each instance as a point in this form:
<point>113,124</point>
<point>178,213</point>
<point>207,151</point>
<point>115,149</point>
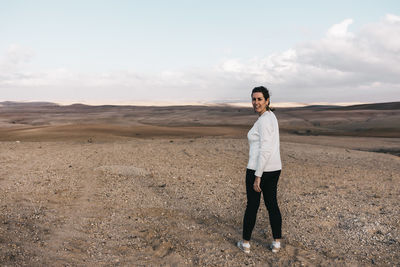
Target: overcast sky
<point>199,51</point>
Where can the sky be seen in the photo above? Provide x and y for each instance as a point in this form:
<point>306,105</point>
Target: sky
<point>187,51</point>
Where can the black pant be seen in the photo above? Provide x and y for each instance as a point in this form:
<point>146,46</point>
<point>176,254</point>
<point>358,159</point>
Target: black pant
<point>269,183</point>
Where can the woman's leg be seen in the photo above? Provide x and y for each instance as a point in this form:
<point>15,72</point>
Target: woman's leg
<point>269,185</point>
<point>253,202</point>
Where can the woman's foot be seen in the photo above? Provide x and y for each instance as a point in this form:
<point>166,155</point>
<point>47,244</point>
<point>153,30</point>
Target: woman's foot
<point>245,247</point>
<point>275,246</point>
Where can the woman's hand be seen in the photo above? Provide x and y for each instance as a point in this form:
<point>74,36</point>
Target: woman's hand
<point>256,185</point>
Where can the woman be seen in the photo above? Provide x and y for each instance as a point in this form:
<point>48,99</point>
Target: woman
<point>263,170</point>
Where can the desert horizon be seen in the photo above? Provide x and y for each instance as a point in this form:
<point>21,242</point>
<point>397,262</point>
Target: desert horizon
<point>366,120</point>
<point>235,103</point>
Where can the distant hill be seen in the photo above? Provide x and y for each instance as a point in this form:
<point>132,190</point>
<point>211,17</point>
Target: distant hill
<point>375,106</point>
<point>379,119</point>
<point>27,104</point>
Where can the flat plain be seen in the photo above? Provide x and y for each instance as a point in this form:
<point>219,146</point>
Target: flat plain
<point>128,185</point>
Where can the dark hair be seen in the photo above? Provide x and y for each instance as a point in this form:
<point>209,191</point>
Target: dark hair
<point>265,92</point>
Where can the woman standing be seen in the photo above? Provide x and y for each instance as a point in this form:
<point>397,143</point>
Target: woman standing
<point>263,170</point>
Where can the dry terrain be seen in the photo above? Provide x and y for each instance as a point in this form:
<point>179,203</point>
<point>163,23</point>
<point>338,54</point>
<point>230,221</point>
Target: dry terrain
<point>164,186</point>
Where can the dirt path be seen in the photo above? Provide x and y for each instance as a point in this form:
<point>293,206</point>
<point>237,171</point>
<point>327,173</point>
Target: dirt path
<point>68,240</point>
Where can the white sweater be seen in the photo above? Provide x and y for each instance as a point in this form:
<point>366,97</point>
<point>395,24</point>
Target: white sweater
<point>264,154</point>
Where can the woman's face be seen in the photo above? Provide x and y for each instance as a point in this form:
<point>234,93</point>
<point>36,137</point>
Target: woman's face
<point>259,102</point>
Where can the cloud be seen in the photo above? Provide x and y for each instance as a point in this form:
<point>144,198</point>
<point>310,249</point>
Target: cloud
<point>343,66</point>
<point>340,30</point>
<point>392,18</point>
<point>15,57</point>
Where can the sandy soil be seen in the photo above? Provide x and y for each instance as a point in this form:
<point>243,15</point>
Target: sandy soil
<point>84,195</point>
<point>167,201</point>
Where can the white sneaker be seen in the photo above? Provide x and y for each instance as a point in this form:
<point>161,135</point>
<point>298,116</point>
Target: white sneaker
<point>275,246</point>
<point>245,247</point>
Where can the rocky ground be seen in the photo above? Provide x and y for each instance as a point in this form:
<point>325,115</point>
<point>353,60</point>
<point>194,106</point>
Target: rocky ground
<point>180,201</point>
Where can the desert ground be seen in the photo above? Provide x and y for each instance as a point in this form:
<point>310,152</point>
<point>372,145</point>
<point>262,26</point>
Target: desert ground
<point>164,186</point>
